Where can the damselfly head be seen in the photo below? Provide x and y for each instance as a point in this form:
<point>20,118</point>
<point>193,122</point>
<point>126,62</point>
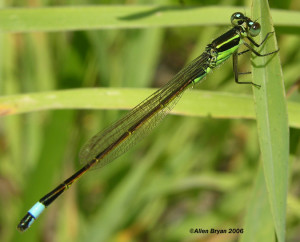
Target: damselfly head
<point>248,26</point>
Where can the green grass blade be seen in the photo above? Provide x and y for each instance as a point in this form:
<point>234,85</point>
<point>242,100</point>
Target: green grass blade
<point>261,229</point>
<point>214,104</point>
<point>272,120</point>
<point>110,17</point>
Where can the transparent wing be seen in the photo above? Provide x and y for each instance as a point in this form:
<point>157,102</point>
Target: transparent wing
<point>115,140</point>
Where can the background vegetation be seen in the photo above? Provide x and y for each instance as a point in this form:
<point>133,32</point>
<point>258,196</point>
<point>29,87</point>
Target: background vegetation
<point>199,169</point>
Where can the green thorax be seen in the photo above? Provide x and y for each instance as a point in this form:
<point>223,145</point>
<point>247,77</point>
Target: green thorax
<point>220,49</point>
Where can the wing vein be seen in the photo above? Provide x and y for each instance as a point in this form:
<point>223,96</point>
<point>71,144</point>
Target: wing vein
<point>115,140</point>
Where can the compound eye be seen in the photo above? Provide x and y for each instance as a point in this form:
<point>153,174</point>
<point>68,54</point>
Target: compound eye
<point>237,19</point>
<point>254,28</point>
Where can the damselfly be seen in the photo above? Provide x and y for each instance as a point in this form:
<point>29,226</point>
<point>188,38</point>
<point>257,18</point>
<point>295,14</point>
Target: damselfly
<point>115,140</point>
